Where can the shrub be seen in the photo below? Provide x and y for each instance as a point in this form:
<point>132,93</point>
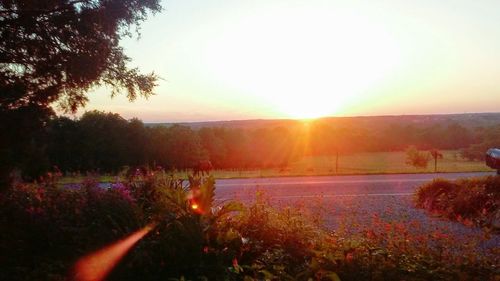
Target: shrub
<point>416,158</point>
<point>46,228</point>
<point>471,201</point>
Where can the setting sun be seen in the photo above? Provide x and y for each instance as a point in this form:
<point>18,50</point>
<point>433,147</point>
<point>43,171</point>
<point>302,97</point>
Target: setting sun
<point>292,59</point>
<point>306,64</point>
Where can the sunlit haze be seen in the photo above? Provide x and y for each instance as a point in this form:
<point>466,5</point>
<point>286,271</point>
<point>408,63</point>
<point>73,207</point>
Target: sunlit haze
<point>223,60</point>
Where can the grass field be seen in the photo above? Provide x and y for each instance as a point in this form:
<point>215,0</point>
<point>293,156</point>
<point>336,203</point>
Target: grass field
<point>362,163</point>
<point>349,164</point>
<point>79,179</point>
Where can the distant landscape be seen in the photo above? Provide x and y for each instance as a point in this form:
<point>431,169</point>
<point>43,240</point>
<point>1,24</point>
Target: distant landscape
<point>469,120</point>
<point>108,144</point>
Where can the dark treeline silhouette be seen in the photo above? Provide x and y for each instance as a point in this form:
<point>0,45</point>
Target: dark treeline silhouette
<point>51,54</point>
<point>485,138</point>
<point>106,143</point>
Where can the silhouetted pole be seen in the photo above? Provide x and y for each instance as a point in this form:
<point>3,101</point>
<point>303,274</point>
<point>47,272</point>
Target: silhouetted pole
<point>337,163</point>
<point>435,154</point>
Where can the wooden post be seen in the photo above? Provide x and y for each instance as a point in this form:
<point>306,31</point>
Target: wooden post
<point>337,163</point>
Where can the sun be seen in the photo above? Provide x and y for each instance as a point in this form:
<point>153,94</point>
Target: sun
<point>307,106</point>
<point>305,63</point>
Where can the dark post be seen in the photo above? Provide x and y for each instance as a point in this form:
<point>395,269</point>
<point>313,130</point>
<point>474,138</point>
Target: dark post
<point>337,163</point>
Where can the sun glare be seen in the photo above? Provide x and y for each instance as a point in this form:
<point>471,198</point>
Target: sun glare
<point>305,63</point>
<point>96,266</point>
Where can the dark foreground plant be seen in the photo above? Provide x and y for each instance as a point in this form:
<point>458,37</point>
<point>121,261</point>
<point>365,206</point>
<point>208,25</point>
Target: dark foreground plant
<point>46,229</point>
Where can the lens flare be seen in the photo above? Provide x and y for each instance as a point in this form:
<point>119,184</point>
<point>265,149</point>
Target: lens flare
<point>96,266</point>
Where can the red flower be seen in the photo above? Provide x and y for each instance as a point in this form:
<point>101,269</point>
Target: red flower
<point>349,257</point>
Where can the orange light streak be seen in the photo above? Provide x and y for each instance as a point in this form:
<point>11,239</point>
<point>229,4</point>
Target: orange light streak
<point>96,266</point>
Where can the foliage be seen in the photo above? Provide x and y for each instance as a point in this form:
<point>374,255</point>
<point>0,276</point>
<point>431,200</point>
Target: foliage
<point>470,201</point>
<point>192,237</point>
<point>416,158</point>
<point>487,138</point>
<point>56,51</point>
<point>45,229</point>
<point>290,244</point>
<point>279,243</point>
<point>107,143</point>
<point>22,142</point>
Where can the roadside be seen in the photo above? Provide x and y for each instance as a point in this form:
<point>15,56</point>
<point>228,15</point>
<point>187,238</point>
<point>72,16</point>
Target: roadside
<point>356,205</point>
<point>373,163</point>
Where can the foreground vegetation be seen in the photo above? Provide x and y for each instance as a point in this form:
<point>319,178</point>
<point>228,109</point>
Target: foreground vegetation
<point>473,201</point>
<point>46,229</point>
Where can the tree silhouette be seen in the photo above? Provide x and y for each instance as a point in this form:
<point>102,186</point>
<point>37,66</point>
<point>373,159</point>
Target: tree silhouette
<point>416,158</point>
<point>436,154</point>
<point>55,51</point>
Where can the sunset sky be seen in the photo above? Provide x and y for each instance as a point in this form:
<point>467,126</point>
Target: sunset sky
<point>224,60</point>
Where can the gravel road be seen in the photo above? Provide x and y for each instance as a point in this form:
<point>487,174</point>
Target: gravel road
<point>354,202</point>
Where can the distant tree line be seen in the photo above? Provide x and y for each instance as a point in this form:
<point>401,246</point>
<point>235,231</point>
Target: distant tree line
<point>106,143</point>
<point>485,138</point>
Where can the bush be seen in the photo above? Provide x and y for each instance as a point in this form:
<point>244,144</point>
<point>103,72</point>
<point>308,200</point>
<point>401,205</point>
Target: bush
<point>46,229</point>
<point>471,201</point>
<point>416,158</point>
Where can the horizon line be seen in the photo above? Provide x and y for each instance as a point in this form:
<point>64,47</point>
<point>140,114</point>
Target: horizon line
<point>318,118</point>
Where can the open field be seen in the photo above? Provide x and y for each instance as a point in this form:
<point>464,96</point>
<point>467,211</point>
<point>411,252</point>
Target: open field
<point>349,164</point>
<point>361,163</point>
<point>80,178</point>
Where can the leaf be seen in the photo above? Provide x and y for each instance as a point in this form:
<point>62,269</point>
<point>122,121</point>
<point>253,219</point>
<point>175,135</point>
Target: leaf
<point>314,265</point>
<point>229,207</point>
<point>207,193</point>
<point>267,275</point>
<point>332,276</point>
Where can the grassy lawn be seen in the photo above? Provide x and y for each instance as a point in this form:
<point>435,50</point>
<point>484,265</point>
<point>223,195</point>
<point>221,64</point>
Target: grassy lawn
<point>79,179</point>
<point>385,162</point>
<point>362,163</point>
<point>349,164</point>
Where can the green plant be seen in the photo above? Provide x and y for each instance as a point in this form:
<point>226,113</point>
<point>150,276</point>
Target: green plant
<point>416,158</point>
<point>46,228</point>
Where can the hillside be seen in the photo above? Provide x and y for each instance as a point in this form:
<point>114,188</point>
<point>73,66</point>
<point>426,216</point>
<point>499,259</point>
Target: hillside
<point>469,120</point>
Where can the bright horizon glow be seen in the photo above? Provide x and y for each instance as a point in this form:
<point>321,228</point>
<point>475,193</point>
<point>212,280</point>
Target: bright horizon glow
<point>307,65</point>
<point>260,59</point>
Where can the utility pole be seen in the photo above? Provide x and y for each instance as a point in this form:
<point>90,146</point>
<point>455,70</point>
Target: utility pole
<point>435,154</point>
<point>435,165</point>
<point>337,163</point>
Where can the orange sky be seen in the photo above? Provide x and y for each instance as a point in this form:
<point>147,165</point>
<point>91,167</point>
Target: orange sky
<point>223,59</point>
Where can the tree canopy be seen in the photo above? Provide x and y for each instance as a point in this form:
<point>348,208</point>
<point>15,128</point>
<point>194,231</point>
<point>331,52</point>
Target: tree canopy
<point>56,50</point>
